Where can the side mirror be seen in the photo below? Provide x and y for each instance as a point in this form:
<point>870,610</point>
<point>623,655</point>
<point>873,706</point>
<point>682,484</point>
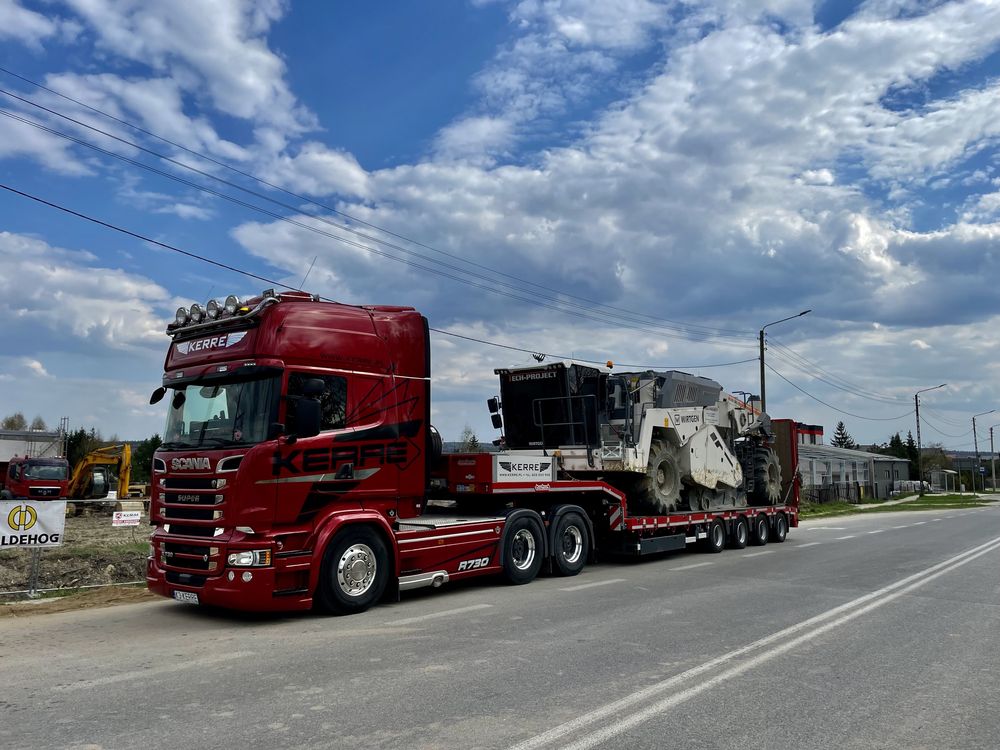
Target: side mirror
<point>157,395</point>
<point>497,421</point>
<point>493,405</point>
<point>313,388</point>
<point>307,417</point>
<point>275,430</point>
<point>178,400</point>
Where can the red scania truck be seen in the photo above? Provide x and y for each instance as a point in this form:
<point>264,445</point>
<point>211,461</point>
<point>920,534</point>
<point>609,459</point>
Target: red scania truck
<point>300,469</point>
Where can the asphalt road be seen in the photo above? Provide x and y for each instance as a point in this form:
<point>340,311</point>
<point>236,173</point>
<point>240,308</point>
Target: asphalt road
<point>880,631</point>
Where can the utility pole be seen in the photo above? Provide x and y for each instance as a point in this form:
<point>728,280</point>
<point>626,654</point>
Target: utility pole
<point>916,408</point>
<point>975,442</point>
<point>763,396</point>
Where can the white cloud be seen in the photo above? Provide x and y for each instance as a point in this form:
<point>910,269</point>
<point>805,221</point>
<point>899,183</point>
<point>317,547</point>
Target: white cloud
<point>35,367</point>
<point>29,27</point>
<point>214,46</point>
<point>920,344</point>
<point>55,297</point>
<point>318,170</point>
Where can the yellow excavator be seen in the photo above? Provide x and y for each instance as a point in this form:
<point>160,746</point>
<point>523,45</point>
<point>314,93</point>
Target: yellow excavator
<point>92,475</point>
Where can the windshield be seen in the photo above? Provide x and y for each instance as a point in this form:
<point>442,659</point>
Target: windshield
<point>221,413</point>
<point>46,471</point>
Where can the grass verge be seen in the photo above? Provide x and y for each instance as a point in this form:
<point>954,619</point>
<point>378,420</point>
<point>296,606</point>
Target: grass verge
<point>927,502</point>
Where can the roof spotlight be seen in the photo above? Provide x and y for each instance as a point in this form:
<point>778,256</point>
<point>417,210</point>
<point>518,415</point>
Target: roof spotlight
<point>181,317</point>
<point>212,309</point>
<point>197,314</point>
<point>232,303</point>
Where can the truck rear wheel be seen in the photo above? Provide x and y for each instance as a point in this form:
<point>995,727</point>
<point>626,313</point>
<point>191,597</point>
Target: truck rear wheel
<point>660,489</point>
<point>355,571</point>
<point>760,531</point>
<point>740,534</point>
<point>570,545</point>
<point>522,551</point>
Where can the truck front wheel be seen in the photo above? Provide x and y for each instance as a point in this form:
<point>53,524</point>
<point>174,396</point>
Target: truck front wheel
<point>355,571</point>
<point>522,551</point>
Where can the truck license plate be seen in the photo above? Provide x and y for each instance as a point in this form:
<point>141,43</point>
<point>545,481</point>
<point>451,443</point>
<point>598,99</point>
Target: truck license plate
<point>186,596</point>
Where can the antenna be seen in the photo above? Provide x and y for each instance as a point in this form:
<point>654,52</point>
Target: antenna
<point>308,272</point>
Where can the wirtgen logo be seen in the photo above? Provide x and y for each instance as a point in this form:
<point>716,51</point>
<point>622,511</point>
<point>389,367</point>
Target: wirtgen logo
<point>22,518</point>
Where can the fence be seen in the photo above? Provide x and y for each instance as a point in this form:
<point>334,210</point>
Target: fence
<point>846,492</point>
<point>93,553</point>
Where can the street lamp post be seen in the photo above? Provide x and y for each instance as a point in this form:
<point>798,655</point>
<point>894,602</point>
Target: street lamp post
<point>916,408</point>
<point>763,397</point>
<point>975,442</point>
<point>993,463</point>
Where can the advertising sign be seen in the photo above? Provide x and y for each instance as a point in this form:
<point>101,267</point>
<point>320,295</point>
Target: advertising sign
<point>126,518</point>
<point>32,524</point>
<point>511,468</point>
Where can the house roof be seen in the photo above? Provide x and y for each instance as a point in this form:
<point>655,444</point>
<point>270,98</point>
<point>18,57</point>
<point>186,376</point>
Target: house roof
<point>831,451</point>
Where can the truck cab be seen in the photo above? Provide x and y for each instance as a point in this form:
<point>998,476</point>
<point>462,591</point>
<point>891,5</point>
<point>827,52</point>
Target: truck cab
<point>35,479</point>
<point>286,417</point>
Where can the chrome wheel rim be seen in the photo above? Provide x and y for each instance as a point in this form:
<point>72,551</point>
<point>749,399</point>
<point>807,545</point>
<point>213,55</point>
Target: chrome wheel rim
<point>356,569</point>
<point>522,551</point>
<point>572,544</point>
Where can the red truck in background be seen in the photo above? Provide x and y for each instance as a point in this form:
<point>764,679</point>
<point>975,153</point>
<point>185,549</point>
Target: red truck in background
<point>300,469</point>
<point>26,478</point>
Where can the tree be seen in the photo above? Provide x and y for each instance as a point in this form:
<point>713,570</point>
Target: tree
<point>842,438</point>
<point>14,421</point>
<point>469,441</point>
<point>38,424</point>
<point>81,442</point>
<point>896,447</point>
<point>911,453</point>
<point>142,458</point>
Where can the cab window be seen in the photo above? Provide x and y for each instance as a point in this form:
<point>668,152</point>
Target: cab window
<point>333,400</point>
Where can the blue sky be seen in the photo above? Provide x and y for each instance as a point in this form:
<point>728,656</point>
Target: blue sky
<point>635,180</point>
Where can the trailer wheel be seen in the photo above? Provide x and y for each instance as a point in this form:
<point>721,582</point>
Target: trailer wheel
<point>715,541</point>
<point>355,571</point>
<point>571,543</point>
<point>740,534</point>
<point>760,531</point>
<point>522,551</point>
<point>780,528</point>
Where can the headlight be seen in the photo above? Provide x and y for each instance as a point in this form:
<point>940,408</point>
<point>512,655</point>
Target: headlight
<point>212,309</point>
<point>197,314</point>
<point>256,558</point>
<point>181,317</point>
<point>232,303</point>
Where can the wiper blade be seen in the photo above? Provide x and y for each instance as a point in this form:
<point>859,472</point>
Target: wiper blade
<point>176,445</point>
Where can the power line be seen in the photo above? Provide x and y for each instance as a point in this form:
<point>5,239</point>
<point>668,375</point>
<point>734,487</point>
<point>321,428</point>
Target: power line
<point>691,329</point>
<point>801,363</point>
<point>273,282</point>
<point>831,406</point>
<point>553,304</point>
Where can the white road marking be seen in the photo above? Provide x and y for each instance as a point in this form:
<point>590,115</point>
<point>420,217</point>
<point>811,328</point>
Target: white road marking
<point>825,528</point>
<point>901,527</point>
<point>849,536</point>
<point>145,674</point>
<point>877,531</point>
<point>935,519</point>
<point>920,523</point>
<point>803,546</point>
<point>612,719</point>
<point>755,554</point>
<point>689,567</point>
<point>436,615</point>
<point>591,585</point>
